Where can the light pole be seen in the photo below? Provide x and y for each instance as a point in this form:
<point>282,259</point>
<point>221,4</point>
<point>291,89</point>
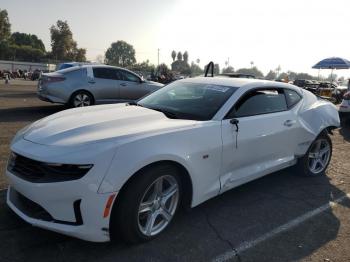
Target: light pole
<point>158,57</point>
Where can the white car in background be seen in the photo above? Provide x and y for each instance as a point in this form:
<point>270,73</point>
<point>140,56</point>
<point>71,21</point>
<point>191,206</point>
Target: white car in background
<point>123,171</point>
<point>344,107</point>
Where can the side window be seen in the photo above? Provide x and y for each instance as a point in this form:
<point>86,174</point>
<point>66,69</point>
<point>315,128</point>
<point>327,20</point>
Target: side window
<point>292,97</point>
<point>129,77</point>
<point>261,101</point>
<point>106,73</point>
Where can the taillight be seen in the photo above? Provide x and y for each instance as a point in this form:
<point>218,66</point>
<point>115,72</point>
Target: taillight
<point>346,96</point>
<point>53,79</point>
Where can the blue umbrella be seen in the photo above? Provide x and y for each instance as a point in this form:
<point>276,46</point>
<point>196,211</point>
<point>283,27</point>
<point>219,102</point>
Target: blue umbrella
<point>333,63</point>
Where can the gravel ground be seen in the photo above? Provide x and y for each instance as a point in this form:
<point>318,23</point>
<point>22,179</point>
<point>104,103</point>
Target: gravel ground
<point>208,231</point>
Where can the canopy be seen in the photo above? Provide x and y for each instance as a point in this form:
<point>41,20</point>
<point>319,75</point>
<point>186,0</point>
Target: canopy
<point>333,63</point>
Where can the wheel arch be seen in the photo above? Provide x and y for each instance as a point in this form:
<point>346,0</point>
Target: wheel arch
<point>185,177</point>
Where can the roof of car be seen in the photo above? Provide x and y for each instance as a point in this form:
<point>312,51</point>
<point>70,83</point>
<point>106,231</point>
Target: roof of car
<point>239,82</point>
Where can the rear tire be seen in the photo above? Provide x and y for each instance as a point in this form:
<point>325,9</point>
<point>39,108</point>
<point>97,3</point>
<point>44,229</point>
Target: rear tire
<point>317,158</point>
<point>81,99</point>
<point>147,206</point>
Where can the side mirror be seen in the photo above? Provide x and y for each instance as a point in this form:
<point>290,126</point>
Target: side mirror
<point>235,122</point>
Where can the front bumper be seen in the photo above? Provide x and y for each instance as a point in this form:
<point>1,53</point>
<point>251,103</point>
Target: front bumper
<point>63,207</point>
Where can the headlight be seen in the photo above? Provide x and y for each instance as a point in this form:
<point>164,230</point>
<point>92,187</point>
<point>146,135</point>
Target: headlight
<point>41,172</point>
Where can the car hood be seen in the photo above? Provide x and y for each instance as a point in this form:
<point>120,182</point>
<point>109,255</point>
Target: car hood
<point>100,123</point>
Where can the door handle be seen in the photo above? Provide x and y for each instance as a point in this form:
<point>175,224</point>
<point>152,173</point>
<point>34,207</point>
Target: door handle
<point>289,123</point>
<point>123,84</point>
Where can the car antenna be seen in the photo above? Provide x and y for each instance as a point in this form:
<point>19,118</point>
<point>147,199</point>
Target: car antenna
<point>211,67</point>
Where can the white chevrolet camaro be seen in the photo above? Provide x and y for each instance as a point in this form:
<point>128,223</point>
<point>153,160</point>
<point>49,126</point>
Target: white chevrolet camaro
<point>123,171</point>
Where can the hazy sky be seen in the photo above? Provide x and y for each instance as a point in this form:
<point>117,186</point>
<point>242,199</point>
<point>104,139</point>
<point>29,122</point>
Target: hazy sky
<point>294,34</point>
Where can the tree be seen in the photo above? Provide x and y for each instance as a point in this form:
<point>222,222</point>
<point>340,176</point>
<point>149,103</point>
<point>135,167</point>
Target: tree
<point>198,60</point>
<point>163,69</point>
<point>228,69</point>
<point>216,69</point>
<point>271,75</point>
<point>195,69</point>
<point>23,39</point>
<point>5,26</point>
<point>179,56</point>
<point>120,54</point>
<point>185,56</point>
<point>173,55</point>
<point>283,76</point>
<point>181,66</point>
<point>62,44</point>
<point>144,68</point>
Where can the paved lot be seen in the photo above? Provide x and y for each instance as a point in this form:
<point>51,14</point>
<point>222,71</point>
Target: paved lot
<point>281,217</point>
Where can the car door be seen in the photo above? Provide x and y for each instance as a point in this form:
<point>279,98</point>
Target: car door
<point>106,84</point>
<point>258,136</point>
<point>132,87</point>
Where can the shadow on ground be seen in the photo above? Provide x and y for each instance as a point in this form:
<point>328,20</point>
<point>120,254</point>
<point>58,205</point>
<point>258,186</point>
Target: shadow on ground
<point>217,226</point>
<point>27,114</point>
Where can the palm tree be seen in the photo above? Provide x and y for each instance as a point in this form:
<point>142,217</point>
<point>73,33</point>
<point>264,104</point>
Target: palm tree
<point>173,55</point>
<point>179,56</point>
<point>185,56</point>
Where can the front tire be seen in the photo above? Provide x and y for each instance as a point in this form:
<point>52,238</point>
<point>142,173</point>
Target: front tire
<point>318,156</point>
<point>147,205</point>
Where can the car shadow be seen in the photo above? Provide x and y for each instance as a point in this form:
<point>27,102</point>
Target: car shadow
<point>214,227</point>
<point>28,114</point>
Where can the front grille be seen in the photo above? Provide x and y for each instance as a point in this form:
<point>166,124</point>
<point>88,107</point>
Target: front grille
<point>41,172</point>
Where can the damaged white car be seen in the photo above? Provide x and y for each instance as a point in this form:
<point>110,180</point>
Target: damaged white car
<point>123,171</point>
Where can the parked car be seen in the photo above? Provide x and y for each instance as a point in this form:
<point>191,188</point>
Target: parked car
<point>123,171</point>
<point>93,84</point>
<point>344,107</point>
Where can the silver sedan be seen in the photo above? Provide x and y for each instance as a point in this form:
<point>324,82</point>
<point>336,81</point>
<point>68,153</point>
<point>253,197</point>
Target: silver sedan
<point>93,84</point>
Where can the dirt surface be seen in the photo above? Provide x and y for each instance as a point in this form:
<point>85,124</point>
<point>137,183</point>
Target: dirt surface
<point>218,227</point>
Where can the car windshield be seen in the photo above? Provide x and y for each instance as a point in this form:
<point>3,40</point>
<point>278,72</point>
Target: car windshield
<point>186,100</point>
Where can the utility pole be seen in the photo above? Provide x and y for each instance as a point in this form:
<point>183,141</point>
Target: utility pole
<point>158,57</point>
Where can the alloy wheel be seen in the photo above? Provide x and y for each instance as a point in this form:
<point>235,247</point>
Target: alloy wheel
<point>158,205</point>
<point>319,156</point>
<point>81,100</point>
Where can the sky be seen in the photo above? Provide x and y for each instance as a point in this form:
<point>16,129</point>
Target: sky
<point>292,34</point>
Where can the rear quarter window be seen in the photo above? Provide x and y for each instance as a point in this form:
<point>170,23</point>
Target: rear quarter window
<point>292,97</point>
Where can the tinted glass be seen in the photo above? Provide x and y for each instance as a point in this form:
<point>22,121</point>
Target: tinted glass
<point>292,97</point>
<point>188,100</point>
<point>129,77</point>
<point>106,73</point>
<point>262,101</point>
